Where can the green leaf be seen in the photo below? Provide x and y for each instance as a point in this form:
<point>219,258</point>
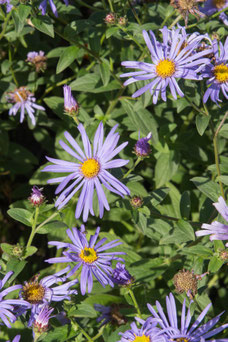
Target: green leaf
<point>224,131</point>
<point>29,251</point>
<point>66,58</point>
<point>207,187</point>
<point>202,123</point>
<point>111,31</point>
<point>22,215</point>
<point>16,266</point>
<point>44,24</point>
<point>199,251</point>
<point>185,205</point>
<point>215,264</point>
<point>20,15</point>
<point>183,232</point>
<point>104,68</point>
<point>223,179</point>
<point>85,83</point>
<point>158,196</point>
<point>82,310</point>
<point>61,334</point>
<point>51,227</point>
<point>166,166</point>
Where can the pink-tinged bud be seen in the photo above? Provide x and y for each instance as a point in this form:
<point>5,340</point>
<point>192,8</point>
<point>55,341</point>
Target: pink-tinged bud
<point>110,18</point>
<point>70,104</point>
<point>142,147</point>
<point>136,202</point>
<point>122,21</point>
<point>36,197</point>
<point>40,324</point>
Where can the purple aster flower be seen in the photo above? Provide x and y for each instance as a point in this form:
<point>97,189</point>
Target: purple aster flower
<point>168,64</point>
<point>89,256</point>
<point>43,6</point>
<point>36,198</point>
<point>8,5</point>
<point>41,319</point>
<point>146,333</point>
<point>217,72</point>
<point>185,333</point>
<point>110,314</point>
<point>121,276</point>
<point>217,230</point>
<point>7,305</point>
<point>70,104</point>
<point>16,338</point>
<point>142,147</point>
<point>40,293</point>
<point>89,171</point>
<point>37,59</point>
<point>212,6</point>
<point>25,101</point>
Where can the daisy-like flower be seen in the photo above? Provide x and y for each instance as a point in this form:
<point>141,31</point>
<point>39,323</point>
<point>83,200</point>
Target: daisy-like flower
<point>217,230</point>
<point>169,62</point>
<point>89,171</point>
<point>7,305</point>
<point>38,60</point>
<point>8,5</point>
<point>212,6</point>
<point>146,333</point>
<point>25,101</point>
<point>185,333</point>
<point>43,6</point>
<point>88,255</point>
<point>40,293</point>
<point>217,72</point>
<point>70,104</point>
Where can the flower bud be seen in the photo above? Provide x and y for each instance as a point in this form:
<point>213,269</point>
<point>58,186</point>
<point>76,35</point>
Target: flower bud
<point>142,147</point>
<point>70,104</point>
<point>121,276</point>
<point>38,60</point>
<point>224,255</point>
<point>36,198</point>
<point>110,18</point>
<point>136,202</point>
<point>122,21</point>
<point>40,324</point>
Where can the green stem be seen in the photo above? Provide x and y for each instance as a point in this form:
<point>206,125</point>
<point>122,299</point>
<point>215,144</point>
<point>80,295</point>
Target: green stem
<point>7,18</point>
<point>175,21</point>
<point>48,90</point>
<point>111,6</point>
<point>195,106</point>
<point>114,102</point>
<point>134,12</point>
<point>99,334</point>
<point>33,232</point>
<point>124,29</point>
<point>138,160</point>
<point>211,17</point>
<point>46,221</point>
<point>83,331</point>
<point>176,219</point>
<point>167,18</point>
<point>83,3</point>
<point>131,293</point>
<point>76,120</point>
<point>11,68</point>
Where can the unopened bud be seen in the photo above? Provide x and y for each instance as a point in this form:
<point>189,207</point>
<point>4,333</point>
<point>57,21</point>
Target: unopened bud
<point>142,147</point>
<point>70,104</point>
<point>110,18</point>
<point>136,202</point>
<point>122,21</point>
<point>36,197</point>
<point>224,255</point>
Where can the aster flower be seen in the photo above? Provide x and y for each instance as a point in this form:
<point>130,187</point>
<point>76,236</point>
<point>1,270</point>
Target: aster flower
<point>7,305</point>
<point>213,6</point>
<point>89,256</point>
<point>43,6</point>
<point>37,59</point>
<point>217,230</point>
<point>121,276</point>
<point>25,101</point>
<point>217,72</point>
<point>168,64</point>
<point>36,198</point>
<point>146,333</point>
<point>41,319</point>
<point>70,104</point>
<point>185,333</point>
<point>8,5</point>
<point>142,147</point>
<point>16,338</point>
<point>89,171</point>
<point>110,314</point>
<point>40,293</point>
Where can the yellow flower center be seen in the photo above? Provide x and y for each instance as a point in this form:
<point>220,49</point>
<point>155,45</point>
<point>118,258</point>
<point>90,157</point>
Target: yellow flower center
<point>142,338</point>
<point>181,339</point>
<point>33,292</point>
<point>88,255</point>
<point>165,68</point>
<point>90,168</point>
<point>23,94</point>
<point>221,73</point>
<point>219,3</point>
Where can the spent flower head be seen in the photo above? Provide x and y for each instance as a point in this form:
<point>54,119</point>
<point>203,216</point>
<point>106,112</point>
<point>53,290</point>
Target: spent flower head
<point>88,171</point>
<point>186,7</point>
<point>217,230</point>
<point>187,281</point>
<point>185,333</point>
<point>91,256</point>
<point>170,61</point>
<point>38,60</point>
<point>24,101</point>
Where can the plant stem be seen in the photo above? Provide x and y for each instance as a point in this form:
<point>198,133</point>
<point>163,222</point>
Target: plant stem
<point>111,6</point>
<point>167,18</point>
<point>131,293</point>
<point>195,106</point>
<point>114,102</point>
<point>48,90</point>
<point>134,12</point>
<point>33,232</point>
<point>175,21</point>
<point>138,160</point>
<point>83,3</point>
<point>7,18</point>
<point>46,221</point>
<point>211,17</point>
<point>124,29</point>
<point>83,331</point>
<point>11,68</point>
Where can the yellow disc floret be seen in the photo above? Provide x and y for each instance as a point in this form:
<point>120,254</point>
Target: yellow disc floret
<point>90,168</point>
<point>219,3</point>
<point>165,68</point>
<point>88,255</point>
<point>221,73</point>
<point>33,292</point>
<point>21,94</point>
<point>142,338</point>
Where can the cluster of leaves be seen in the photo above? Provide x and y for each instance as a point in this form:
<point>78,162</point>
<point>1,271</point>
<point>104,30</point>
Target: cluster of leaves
<point>178,181</point>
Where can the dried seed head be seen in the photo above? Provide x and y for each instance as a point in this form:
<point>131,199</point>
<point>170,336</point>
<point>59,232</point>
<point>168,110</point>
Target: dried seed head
<point>186,281</point>
<point>186,7</point>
